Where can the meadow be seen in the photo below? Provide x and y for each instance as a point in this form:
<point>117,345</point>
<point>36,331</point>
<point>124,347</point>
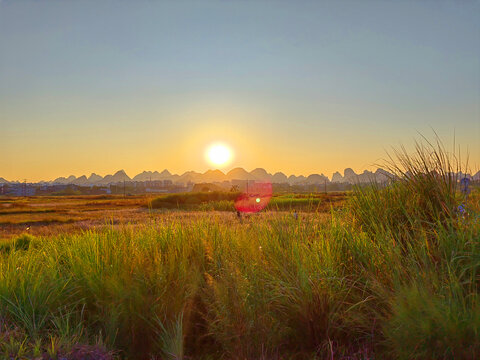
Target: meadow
<point>384,272</point>
<point>51,215</point>
<point>224,201</point>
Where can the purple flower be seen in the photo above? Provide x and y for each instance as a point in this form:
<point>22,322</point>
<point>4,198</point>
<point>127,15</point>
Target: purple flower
<point>465,186</point>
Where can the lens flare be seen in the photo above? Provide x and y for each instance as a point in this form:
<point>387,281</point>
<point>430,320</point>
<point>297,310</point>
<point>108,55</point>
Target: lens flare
<point>255,197</point>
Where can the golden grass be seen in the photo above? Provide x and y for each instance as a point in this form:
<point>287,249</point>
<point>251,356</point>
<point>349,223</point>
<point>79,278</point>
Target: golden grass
<point>46,216</point>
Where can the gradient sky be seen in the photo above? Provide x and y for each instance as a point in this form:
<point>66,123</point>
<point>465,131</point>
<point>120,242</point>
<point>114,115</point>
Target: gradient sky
<point>301,86</point>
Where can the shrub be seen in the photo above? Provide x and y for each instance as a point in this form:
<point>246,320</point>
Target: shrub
<point>191,200</point>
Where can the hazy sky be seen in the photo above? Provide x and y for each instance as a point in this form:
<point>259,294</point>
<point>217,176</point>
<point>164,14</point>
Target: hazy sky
<point>299,86</point>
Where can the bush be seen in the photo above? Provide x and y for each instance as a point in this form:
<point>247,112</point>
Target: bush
<point>191,200</point>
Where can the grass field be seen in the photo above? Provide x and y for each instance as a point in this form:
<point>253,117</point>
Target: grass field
<point>52,215</point>
<point>381,273</point>
<point>43,215</point>
<point>224,201</point>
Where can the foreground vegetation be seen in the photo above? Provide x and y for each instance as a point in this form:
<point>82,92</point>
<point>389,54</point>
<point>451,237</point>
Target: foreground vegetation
<point>395,274</point>
<point>224,201</point>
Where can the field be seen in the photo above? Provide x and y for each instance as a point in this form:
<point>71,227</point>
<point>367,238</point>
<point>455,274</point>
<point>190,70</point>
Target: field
<point>380,273</point>
<point>44,215</point>
<point>53,215</point>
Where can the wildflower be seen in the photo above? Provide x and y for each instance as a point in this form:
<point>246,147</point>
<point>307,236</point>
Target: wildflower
<point>462,210</point>
<point>465,186</point>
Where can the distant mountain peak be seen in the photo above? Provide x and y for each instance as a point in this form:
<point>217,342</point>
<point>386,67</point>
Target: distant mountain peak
<point>260,174</point>
<point>279,177</point>
<point>93,178</point>
<point>337,177</point>
<point>119,176</point>
<point>348,172</point>
<point>238,173</point>
<point>216,171</point>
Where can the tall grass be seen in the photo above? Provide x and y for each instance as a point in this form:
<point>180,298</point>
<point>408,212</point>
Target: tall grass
<point>395,275</point>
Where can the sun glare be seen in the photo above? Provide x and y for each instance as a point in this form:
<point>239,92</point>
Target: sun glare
<point>219,155</point>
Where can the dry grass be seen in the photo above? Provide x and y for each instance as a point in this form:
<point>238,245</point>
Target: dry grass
<point>47,216</point>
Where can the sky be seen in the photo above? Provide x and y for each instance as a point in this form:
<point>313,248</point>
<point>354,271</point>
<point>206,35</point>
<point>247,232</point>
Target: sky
<point>295,86</point>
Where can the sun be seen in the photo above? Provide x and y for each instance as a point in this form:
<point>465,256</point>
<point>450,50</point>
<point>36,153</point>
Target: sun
<point>219,154</point>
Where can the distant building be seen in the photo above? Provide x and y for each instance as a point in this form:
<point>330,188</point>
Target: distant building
<point>155,190</point>
<point>19,189</point>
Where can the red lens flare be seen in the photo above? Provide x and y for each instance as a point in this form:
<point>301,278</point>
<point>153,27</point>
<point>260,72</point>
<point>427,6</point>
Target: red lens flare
<point>255,198</point>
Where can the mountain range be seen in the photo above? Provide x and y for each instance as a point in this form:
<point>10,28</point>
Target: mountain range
<point>258,174</point>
